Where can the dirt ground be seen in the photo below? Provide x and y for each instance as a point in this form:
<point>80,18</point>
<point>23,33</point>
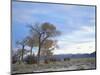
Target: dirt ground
<point>73,64</point>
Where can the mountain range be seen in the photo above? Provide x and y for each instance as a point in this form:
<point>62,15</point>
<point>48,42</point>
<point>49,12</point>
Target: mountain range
<point>62,56</point>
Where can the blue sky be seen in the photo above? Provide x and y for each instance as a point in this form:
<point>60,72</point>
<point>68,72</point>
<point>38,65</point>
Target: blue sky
<point>76,23</point>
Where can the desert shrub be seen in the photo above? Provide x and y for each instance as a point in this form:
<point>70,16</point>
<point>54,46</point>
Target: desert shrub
<point>66,59</point>
<point>53,60</point>
<point>46,61</point>
<point>30,59</point>
<point>14,59</point>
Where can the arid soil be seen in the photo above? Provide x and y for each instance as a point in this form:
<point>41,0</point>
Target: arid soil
<point>73,64</point>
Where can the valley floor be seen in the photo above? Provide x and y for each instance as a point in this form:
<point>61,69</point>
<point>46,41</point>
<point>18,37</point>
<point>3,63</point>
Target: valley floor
<point>73,64</point>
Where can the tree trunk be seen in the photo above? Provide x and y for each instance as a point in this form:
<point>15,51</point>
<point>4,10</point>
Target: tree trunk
<point>38,60</point>
<point>31,50</point>
<point>22,52</point>
<point>38,56</point>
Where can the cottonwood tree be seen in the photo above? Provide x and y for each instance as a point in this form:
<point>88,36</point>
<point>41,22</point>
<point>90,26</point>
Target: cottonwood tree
<point>30,42</point>
<point>43,32</point>
<point>47,47</point>
<point>22,50</point>
<point>19,54</point>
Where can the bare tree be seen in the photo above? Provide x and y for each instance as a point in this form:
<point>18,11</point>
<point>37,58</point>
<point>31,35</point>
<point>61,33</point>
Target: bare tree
<point>22,44</point>
<point>30,42</point>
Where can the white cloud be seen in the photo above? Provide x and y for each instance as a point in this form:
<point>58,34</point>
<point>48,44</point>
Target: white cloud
<point>88,29</point>
<point>88,47</point>
<point>79,41</point>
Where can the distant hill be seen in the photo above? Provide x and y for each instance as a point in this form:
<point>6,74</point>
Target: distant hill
<point>93,54</point>
<point>62,56</point>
